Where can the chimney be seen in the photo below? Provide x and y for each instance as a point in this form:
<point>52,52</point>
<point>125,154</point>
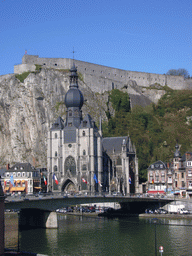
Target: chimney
<point>8,167</point>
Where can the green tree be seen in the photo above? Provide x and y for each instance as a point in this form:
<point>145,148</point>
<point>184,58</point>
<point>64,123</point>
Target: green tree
<point>178,72</point>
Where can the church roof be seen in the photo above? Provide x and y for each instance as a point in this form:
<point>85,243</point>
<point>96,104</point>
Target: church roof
<point>87,122</point>
<point>58,125</point>
<point>111,144</point>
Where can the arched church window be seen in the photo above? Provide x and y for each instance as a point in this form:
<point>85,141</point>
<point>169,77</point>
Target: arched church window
<point>55,135</point>
<point>55,153</point>
<point>70,165</point>
<point>84,152</point>
<point>83,133</point>
<point>55,168</point>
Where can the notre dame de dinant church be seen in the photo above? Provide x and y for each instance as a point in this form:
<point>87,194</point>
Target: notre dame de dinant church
<point>80,160</point>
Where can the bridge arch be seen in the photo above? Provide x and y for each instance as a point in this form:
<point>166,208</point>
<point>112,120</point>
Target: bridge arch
<point>68,186</point>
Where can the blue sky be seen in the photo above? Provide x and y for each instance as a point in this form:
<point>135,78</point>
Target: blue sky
<point>139,35</point>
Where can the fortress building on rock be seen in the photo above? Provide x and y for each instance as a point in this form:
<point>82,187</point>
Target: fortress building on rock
<point>80,160</point>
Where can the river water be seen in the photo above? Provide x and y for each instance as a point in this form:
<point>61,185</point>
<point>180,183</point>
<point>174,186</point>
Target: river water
<point>80,235</point>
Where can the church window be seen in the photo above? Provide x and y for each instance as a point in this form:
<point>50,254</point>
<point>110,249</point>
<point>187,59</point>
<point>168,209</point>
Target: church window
<point>70,146</point>
<point>70,124</point>
<point>7,174</point>
<point>84,123</point>
<point>55,135</point>
<point>23,174</point>
<point>55,168</point>
<point>112,86</point>
<point>84,167</point>
<point>118,161</point>
<point>70,165</point>
<point>70,112</point>
<point>55,153</point>
<point>18,174</point>
<point>76,113</point>
<point>83,133</point>
<point>55,64</point>
<point>84,152</point>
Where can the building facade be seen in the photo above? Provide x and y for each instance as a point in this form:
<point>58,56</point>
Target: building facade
<point>80,160</point>
<point>172,178</point>
<point>22,178</point>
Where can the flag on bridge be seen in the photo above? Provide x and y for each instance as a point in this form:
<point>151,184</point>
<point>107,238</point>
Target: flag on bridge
<point>55,179</point>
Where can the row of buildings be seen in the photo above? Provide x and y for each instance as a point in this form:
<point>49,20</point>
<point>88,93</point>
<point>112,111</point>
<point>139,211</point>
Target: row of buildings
<point>171,178</point>
<point>163,178</point>
<point>80,160</point>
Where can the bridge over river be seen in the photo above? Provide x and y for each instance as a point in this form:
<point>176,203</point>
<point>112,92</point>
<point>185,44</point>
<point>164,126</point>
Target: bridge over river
<point>40,211</point>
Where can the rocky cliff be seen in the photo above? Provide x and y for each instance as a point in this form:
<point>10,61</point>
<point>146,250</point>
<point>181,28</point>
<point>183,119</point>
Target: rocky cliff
<point>28,109</point>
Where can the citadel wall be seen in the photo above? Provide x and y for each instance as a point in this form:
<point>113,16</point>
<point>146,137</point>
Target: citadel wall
<point>101,78</point>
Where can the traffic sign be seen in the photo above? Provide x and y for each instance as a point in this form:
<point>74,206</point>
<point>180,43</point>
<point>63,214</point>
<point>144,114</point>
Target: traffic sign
<point>161,249</point>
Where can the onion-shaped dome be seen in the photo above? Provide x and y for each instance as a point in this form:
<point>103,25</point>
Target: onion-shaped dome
<point>74,98</point>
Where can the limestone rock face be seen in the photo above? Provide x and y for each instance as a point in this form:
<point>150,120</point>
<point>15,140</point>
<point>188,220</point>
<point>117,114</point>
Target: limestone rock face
<point>28,109</point>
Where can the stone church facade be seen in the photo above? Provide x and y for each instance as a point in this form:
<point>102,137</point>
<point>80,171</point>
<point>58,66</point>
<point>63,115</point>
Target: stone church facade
<point>80,160</point>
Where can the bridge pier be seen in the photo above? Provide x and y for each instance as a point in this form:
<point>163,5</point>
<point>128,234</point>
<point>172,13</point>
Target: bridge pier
<point>36,218</point>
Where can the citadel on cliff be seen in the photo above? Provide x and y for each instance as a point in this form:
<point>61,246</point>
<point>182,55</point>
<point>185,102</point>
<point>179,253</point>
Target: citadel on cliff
<point>29,107</point>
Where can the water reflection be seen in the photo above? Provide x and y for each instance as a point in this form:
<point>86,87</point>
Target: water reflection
<point>78,235</point>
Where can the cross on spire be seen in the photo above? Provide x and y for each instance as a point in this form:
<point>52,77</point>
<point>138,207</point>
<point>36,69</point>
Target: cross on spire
<point>73,53</point>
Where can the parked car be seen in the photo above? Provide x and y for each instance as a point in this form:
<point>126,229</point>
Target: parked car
<point>162,211</point>
<point>184,211</point>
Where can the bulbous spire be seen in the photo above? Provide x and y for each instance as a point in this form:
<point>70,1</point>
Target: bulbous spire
<point>74,97</point>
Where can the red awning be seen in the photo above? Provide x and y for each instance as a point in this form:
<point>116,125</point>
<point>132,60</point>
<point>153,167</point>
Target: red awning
<point>156,192</point>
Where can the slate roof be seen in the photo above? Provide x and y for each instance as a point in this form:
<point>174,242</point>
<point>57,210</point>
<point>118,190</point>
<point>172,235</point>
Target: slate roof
<point>157,165</point>
<point>113,143</point>
<point>184,156</point>
<point>25,167</point>
<point>58,124</point>
<point>90,122</point>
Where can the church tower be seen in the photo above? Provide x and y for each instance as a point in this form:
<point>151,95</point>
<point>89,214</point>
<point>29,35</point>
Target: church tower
<point>75,147</point>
